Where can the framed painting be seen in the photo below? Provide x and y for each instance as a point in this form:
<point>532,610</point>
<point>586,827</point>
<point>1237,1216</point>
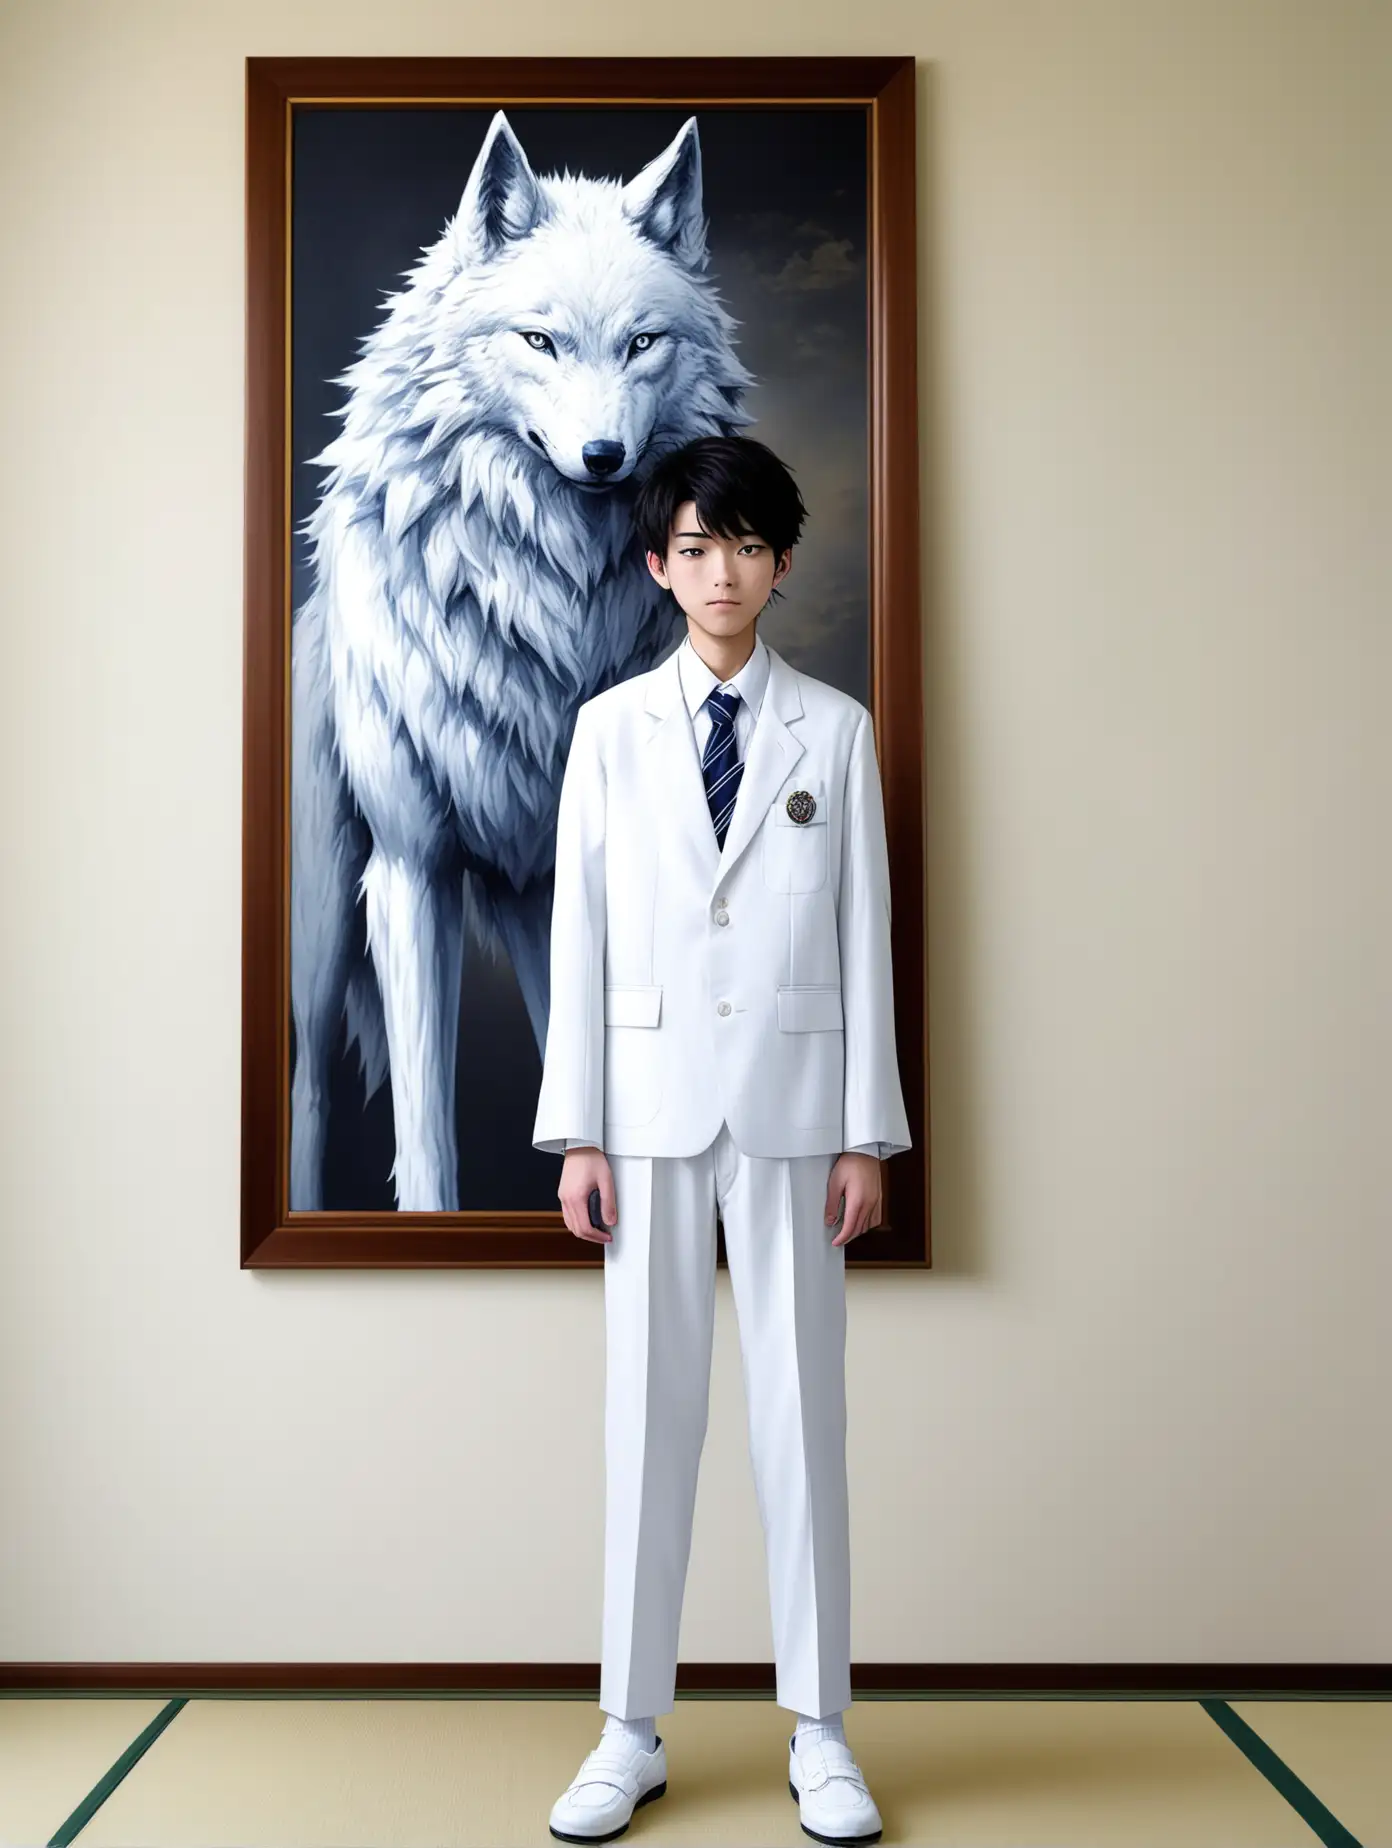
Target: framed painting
<point>440,568</point>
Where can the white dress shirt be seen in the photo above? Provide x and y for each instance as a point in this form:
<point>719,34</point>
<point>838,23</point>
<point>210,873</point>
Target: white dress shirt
<point>698,682</point>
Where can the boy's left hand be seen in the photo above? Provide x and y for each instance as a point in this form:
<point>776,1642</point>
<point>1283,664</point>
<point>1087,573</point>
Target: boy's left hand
<point>858,1178</point>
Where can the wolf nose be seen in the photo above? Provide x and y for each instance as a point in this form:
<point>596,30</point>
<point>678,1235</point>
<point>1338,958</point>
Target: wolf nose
<point>603,458</point>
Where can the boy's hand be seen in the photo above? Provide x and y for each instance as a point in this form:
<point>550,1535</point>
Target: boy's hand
<point>858,1178</point>
<point>581,1170</point>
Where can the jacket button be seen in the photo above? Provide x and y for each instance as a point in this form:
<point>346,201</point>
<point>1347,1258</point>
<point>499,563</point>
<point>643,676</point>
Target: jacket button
<point>722,1007</point>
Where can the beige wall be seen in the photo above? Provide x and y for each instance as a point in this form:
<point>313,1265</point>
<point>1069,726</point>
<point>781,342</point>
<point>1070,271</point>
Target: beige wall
<point>1139,1409</point>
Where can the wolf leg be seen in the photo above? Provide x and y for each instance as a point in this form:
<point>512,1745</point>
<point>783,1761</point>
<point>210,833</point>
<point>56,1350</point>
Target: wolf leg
<point>328,847</point>
<point>415,930</point>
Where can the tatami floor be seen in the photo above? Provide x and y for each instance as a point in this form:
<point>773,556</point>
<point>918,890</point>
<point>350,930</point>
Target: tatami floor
<point>433,1772</point>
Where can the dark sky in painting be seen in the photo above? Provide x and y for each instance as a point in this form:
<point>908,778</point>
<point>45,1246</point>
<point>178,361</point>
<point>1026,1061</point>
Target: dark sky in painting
<point>785,196</point>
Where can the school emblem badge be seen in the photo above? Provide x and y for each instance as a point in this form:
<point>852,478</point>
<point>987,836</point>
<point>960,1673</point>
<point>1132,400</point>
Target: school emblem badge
<point>801,805</point>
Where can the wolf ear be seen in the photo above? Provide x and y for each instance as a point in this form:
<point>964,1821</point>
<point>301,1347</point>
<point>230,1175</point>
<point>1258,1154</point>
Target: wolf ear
<point>501,198</point>
<point>664,200</point>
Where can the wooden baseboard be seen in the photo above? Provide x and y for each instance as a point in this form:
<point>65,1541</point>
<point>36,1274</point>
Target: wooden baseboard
<point>737,1680</point>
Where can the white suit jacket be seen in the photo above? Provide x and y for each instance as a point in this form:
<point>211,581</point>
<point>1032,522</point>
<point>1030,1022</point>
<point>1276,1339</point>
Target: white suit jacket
<point>692,985</point>
<point>697,681</point>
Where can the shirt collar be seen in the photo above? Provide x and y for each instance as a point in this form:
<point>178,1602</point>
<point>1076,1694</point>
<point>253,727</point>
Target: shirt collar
<point>697,679</point>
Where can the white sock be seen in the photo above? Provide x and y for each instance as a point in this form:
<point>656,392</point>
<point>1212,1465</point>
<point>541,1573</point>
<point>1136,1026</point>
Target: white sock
<point>812,1732</point>
<point>640,1732</point>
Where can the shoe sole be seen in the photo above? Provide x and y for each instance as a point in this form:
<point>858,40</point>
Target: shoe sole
<point>835,1841</point>
<point>657,1790</point>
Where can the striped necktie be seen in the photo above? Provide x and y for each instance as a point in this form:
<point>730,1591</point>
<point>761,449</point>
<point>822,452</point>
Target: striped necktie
<point>720,764</point>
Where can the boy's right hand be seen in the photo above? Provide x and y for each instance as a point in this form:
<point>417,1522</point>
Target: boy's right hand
<point>582,1170</point>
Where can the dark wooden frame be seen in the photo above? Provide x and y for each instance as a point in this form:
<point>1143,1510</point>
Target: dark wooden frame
<point>272,1236</point>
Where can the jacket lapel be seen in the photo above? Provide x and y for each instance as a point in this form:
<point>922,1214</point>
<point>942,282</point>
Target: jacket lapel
<point>677,792</point>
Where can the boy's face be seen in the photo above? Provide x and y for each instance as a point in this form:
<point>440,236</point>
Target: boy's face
<point>721,584</point>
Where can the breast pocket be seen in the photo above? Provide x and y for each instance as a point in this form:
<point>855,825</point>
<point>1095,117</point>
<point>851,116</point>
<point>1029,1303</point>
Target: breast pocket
<point>795,849</point>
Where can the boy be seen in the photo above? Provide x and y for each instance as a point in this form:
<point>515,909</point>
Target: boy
<point>721,1036</point>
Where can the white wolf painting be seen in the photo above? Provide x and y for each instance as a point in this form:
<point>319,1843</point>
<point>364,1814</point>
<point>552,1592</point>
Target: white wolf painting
<point>475,578</point>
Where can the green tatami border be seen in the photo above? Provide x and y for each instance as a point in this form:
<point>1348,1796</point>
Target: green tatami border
<point>132,1755</point>
<point>1315,1814</point>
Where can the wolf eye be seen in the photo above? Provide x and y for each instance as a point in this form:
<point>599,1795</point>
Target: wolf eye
<point>642,343</point>
<point>539,342</point>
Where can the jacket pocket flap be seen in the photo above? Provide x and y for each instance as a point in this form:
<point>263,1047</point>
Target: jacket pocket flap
<point>632,1006</point>
<point>804,1010</point>
<point>778,809</point>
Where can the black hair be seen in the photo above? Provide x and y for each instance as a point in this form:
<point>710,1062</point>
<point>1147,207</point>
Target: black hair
<point>738,484</point>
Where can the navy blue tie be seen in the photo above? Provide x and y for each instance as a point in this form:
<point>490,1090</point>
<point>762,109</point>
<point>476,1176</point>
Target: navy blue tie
<point>720,764</point>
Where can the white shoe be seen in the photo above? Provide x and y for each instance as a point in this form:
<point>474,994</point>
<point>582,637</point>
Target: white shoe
<point>617,1778</point>
<point>834,1802</point>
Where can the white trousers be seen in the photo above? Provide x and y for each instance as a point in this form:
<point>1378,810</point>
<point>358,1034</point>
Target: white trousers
<point>789,1287</point>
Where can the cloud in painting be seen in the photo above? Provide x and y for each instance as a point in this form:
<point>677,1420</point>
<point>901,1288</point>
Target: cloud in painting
<point>829,265</point>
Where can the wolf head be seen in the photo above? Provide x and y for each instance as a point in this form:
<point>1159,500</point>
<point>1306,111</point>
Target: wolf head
<point>581,316</point>
<point>582,320</point>
<point>562,322</point>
